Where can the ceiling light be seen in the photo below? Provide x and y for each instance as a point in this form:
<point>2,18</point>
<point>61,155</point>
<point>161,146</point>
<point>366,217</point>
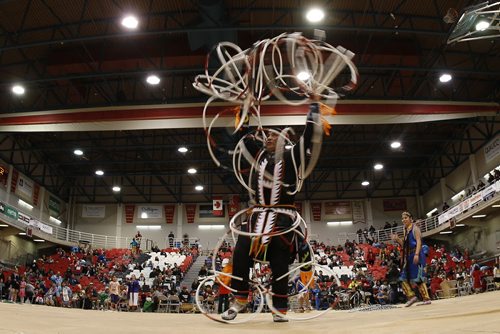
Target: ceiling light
<point>116,189</point>
<point>457,195</point>
<point>378,166</point>
<point>149,227</point>
<point>4,225</point>
<point>153,80</point>
<point>395,144</point>
<point>55,220</point>
<point>211,227</point>
<point>18,89</point>
<point>199,188</point>
<point>22,233</point>
<point>446,232</point>
<point>315,15</point>
<point>428,214</point>
<point>460,225</point>
<point>192,171</point>
<point>99,172</point>
<point>482,26</point>
<point>303,76</point>
<point>365,183</point>
<point>25,204</point>
<point>445,77</point>
<point>478,216</point>
<point>495,206</point>
<point>333,223</point>
<point>130,22</point>
<point>38,240</point>
<point>182,149</point>
<point>78,152</point>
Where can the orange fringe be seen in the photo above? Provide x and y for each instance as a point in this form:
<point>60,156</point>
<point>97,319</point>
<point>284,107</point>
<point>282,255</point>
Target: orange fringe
<point>326,111</point>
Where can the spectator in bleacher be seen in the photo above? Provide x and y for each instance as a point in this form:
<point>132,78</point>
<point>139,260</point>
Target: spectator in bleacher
<point>114,290</point>
<point>496,276</point>
<point>387,225</point>
<point>66,295</point>
<point>445,206</point>
<point>133,293</point>
<point>372,231</point>
<point>480,185</point>
<point>370,257</point>
<point>382,296</point>
<point>195,284</point>
<point>184,295</point>
<point>203,271</point>
<point>138,238</point>
<point>477,276</point>
<point>134,246</point>
<point>2,286</point>
<point>171,239</point>
<point>413,261</point>
<point>359,233</point>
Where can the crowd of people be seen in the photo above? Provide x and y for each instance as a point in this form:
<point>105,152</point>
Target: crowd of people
<point>91,279</point>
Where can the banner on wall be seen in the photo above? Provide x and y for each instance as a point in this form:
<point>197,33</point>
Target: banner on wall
<point>316,211</point>
<point>468,203</point>
<point>54,205</point>
<point>190,212</point>
<point>41,226</point>
<point>129,213</point>
<point>298,207</point>
<point>169,210</point>
<point>338,208</point>
<point>25,187</point>
<point>36,193</point>
<point>217,207</point>
<point>492,149</point>
<point>13,181</point>
<point>358,212</point>
<point>234,205</point>
<point>23,218</point>
<point>8,211</point>
<point>149,212</point>
<point>93,211</point>
<point>4,176</point>
<point>395,204</point>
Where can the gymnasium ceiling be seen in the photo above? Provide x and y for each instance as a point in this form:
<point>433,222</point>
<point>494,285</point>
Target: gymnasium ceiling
<point>75,54</point>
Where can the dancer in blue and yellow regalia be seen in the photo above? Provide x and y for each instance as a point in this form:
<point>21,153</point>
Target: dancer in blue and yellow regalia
<point>412,261</point>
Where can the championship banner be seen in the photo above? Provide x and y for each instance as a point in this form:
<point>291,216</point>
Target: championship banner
<point>169,210</point>
<point>234,205</point>
<point>298,207</point>
<point>25,187</point>
<point>394,204</point>
<point>190,212</point>
<point>36,193</point>
<point>93,211</point>
<point>129,213</point>
<point>316,211</point>
<point>218,207</point>
<point>13,182</point>
<point>358,212</point>
<point>54,205</point>
<point>492,149</point>
<point>338,208</point>
<point>149,212</point>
